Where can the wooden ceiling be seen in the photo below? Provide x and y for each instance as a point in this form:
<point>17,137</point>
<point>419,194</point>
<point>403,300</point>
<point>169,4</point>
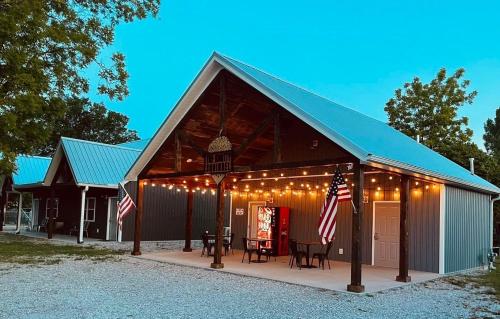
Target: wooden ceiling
<point>248,119</point>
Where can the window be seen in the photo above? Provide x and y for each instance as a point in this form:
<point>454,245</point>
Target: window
<point>48,206</point>
<point>90,209</point>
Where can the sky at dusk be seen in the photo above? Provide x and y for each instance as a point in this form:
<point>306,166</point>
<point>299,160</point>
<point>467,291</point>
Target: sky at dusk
<point>354,52</point>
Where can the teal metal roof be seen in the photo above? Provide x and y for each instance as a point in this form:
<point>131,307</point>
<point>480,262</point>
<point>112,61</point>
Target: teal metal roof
<point>138,145</point>
<point>97,164</point>
<point>362,135</point>
<point>30,169</point>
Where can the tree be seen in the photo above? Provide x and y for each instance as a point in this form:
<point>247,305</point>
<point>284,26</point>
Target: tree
<point>89,121</point>
<point>430,110</point>
<point>45,48</point>
<point>492,135</point>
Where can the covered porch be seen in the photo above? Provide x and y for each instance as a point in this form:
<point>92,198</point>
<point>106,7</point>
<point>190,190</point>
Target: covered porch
<point>230,136</point>
<point>374,278</point>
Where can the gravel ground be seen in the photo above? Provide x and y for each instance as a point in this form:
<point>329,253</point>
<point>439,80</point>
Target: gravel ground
<point>136,288</point>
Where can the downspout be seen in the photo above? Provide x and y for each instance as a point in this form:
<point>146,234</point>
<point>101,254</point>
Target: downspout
<point>493,200</point>
<point>82,215</point>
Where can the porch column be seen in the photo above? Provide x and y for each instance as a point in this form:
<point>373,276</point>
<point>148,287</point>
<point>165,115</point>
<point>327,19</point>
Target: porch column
<point>403,230</point>
<point>219,228</point>
<point>2,209</point>
<point>189,223</point>
<point>50,222</point>
<point>82,215</point>
<point>19,213</point>
<point>357,218</point>
<point>138,218</point>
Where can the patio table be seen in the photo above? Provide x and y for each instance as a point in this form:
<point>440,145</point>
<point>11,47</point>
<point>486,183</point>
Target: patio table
<point>308,246</point>
<point>259,242</point>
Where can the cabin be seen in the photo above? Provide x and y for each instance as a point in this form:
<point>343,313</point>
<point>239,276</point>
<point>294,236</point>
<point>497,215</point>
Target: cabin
<point>30,171</point>
<point>76,193</point>
<point>240,131</point>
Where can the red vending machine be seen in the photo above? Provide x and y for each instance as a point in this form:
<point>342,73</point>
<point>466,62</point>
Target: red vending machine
<point>273,223</point>
<point>280,224</point>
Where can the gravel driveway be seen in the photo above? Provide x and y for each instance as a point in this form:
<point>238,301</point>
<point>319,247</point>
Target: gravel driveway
<point>135,288</point>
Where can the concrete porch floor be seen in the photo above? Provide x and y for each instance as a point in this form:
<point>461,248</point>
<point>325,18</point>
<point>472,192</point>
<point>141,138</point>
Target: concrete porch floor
<point>374,278</point>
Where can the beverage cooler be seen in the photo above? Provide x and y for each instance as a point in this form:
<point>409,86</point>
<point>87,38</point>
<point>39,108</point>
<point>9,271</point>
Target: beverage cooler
<point>273,223</point>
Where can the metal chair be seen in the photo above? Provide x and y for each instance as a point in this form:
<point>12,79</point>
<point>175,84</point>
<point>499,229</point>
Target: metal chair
<point>207,246</point>
<point>248,250</point>
<point>322,256</point>
<point>297,254</point>
<point>228,244</point>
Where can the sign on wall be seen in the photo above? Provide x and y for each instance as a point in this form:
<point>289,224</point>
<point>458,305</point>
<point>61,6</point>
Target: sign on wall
<point>240,211</point>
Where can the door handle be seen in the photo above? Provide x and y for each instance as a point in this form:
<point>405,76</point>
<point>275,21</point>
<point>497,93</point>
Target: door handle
<point>376,237</point>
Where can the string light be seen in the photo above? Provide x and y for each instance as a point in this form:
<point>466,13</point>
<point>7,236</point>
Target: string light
<point>145,183</point>
<point>416,183</point>
<point>262,183</point>
<point>282,174</point>
<point>196,179</point>
<point>378,188</point>
<point>397,189</point>
<point>235,180</point>
<point>304,173</point>
<point>264,174</point>
<point>426,186</point>
<point>373,180</point>
<point>163,185</point>
<point>249,176</point>
<point>390,178</point>
<point>153,184</point>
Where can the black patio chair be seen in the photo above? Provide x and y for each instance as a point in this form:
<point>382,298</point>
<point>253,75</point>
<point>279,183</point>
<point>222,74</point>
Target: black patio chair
<point>322,256</point>
<point>297,254</point>
<point>267,251</point>
<point>207,245</point>
<point>228,244</point>
<point>248,250</point>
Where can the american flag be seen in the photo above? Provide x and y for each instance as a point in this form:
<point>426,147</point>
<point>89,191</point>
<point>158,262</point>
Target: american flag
<point>338,192</point>
<point>125,204</point>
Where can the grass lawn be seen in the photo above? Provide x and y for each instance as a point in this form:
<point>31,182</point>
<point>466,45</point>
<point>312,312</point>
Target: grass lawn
<point>19,249</point>
<point>492,279</point>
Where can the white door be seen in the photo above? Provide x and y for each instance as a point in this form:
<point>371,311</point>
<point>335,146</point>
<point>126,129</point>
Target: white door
<point>34,210</point>
<point>386,235</point>
<point>252,218</point>
<point>112,230</point>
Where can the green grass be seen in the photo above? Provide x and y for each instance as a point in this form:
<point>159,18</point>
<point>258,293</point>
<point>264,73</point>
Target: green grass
<point>489,279</point>
<point>16,249</point>
<point>492,280</point>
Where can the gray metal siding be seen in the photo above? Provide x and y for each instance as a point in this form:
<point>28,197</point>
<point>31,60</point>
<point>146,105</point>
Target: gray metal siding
<point>467,229</point>
<point>165,214</point>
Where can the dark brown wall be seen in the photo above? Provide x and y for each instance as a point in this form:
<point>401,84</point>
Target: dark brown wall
<point>305,210</point>
<point>69,207</point>
<point>164,214</point>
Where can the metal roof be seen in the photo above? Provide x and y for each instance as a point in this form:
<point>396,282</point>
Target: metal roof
<point>138,144</point>
<point>370,140</point>
<point>91,163</point>
<point>30,169</point>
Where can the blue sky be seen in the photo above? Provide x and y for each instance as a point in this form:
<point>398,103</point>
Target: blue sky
<point>353,52</point>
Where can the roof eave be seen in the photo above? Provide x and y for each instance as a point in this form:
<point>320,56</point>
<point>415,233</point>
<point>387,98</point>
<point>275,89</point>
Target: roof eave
<point>423,173</point>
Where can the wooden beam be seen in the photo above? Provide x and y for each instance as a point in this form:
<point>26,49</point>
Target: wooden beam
<point>222,106</point>
<point>277,138</point>
<point>51,221</point>
<point>178,152</point>
<point>185,138</point>
<point>357,218</point>
<point>403,230</point>
<point>189,223</point>
<point>219,228</point>
<point>302,164</point>
<point>255,134</point>
<point>138,218</point>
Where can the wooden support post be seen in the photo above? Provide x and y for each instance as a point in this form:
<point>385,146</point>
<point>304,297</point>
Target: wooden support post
<point>403,230</point>
<point>219,228</point>
<point>277,138</point>
<point>138,217</point>
<point>2,208</point>
<point>222,106</point>
<point>51,221</point>
<point>178,152</point>
<point>357,218</point>
<point>189,223</point>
